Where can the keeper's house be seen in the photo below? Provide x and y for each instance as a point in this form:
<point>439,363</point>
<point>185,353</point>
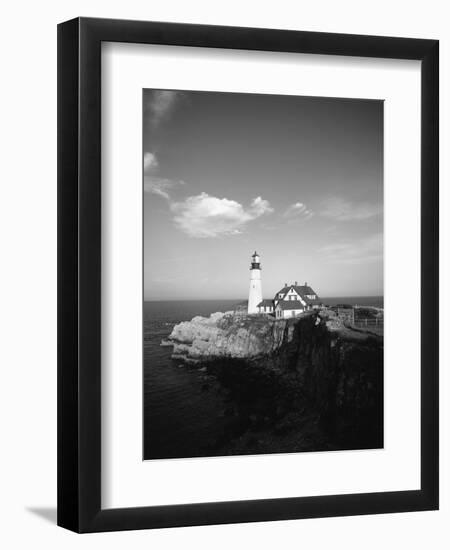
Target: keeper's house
<point>290,301</point>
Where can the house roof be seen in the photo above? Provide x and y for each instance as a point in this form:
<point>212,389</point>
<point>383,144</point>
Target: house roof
<point>290,304</point>
<point>265,303</point>
<point>284,290</point>
<point>302,290</point>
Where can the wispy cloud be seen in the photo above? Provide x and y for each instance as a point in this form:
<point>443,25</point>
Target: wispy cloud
<point>355,251</point>
<point>154,183</point>
<point>160,186</point>
<point>203,216</point>
<point>160,104</point>
<point>342,210</point>
<point>297,212</point>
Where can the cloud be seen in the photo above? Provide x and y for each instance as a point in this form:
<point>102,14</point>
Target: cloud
<point>152,182</point>
<point>160,186</point>
<point>150,162</point>
<point>298,211</point>
<point>342,210</point>
<point>160,105</point>
<point>357,251</point>
<point>203,216</point>
<point>258,207</point>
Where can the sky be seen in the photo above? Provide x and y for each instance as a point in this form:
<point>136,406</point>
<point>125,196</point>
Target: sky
<point>298,179</point>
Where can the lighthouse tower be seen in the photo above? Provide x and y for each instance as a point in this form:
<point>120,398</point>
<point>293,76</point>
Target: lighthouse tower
<point>255,293</point>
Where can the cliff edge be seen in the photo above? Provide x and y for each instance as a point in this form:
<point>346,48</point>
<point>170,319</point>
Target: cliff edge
<point>229,335</point>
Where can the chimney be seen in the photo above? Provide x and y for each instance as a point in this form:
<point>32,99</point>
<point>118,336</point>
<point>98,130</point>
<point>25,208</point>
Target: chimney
<point>296,283</point>
<point>306,284</point>
<point>285,284</point>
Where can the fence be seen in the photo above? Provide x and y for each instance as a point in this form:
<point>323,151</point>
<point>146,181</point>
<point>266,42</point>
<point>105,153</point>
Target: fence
<point>369,322</point>
<point>346,314</point>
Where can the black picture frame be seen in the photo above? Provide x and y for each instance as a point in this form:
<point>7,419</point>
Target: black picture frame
<point>79,274</point>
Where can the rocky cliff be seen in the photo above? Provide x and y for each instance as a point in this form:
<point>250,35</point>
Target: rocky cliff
<point>226,335</point>
<point>285,378</point>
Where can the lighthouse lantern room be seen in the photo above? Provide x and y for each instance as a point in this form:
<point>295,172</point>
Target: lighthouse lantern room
<point>255,292</point>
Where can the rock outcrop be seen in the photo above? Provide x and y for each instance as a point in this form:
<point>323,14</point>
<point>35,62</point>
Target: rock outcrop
<point>225,335</point>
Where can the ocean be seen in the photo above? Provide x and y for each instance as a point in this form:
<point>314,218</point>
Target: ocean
<point>183,416</point>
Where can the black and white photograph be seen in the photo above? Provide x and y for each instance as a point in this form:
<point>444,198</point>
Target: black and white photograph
<point>263,308</point>
<point>222,203</point>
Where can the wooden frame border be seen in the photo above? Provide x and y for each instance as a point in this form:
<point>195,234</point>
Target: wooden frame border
<point>79,274</point>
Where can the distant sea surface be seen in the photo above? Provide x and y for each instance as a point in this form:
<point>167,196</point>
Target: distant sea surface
<point>182,418</point>
<point>374,301</point>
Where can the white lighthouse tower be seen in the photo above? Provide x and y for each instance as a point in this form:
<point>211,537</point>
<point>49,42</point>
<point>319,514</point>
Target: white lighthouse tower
<point>255,293</point>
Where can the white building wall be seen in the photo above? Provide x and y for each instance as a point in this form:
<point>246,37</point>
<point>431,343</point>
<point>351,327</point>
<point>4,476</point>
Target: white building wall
<point>255,292</point>
<point>287,313</point>
<point>291,312</point>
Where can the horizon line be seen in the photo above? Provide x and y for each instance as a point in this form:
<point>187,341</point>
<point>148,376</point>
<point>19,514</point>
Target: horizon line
<point>245,299</point>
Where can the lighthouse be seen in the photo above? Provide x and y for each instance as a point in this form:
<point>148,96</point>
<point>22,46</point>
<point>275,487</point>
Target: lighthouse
<point>255,292</point>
